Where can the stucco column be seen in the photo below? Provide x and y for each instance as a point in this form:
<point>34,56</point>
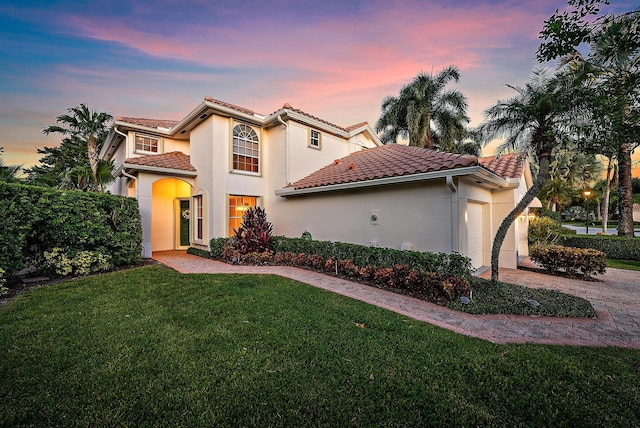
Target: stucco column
<point>455,215</point>
<point>145,190</point>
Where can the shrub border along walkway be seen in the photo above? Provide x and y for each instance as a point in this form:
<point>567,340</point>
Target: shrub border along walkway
<point>615,300</point>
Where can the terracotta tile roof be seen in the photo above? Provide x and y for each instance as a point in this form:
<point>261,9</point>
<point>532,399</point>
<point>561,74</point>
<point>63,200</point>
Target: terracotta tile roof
<point>172,160</point>
<point>229,105</point>
<point>288,106</point>
<point>506,166</point>
<point>149,123</point>
<point>356,126</point>
<point>390,160</point>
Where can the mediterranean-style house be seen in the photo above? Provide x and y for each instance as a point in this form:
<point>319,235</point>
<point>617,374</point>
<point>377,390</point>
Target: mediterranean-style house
<point>195,177</point>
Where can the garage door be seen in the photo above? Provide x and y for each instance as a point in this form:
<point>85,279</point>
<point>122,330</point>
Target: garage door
<point>475,233</point>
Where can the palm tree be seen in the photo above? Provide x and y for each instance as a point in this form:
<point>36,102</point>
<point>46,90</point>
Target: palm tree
<point>425,112</point>
<point>8,173</point>
<point>533,122</point>
<point>88,126</point>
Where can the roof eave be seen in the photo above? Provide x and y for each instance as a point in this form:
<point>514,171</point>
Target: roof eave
<point>285,113</point>
<point>164,131</point>
<point>229,112</point>
<point>155,169</point>
<point>368,130</point>
<point>107,143</point>
<point>484,176</point>
<point>476,171</point>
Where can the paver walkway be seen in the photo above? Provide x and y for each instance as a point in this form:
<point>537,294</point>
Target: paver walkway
<point>616,300</point>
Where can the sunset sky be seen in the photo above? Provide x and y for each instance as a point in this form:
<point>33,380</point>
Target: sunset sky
<point>333,59</point>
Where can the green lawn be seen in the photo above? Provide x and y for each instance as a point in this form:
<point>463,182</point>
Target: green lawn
<point>151,347</point>
<point>624,264</point>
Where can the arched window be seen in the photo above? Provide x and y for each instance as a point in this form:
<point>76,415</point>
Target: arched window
<point>246,149</point>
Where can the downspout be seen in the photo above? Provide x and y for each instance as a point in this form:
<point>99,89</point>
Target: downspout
<point>286,150</point>
<point>123,172</point>
<point>454,214</point>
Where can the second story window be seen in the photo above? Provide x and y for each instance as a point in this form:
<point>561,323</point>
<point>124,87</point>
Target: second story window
<point>314,139</point>
<point>147,144</point>
<point>246,149</point>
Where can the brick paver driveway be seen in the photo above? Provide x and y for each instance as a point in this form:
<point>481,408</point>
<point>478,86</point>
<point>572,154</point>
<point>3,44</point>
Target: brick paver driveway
<point>616,299</point>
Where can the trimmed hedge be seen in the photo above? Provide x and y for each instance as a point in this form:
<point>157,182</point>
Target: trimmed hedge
<point>199,252</point>
<point>615,247</point>
<point>555,258</point>
<point>362,256</point>
<point>36,220</point>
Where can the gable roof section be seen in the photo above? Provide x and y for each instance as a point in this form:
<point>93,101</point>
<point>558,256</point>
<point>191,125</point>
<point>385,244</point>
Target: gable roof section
<point>231,106</point>
<point>287,108</point>
<point>172,162</point>
<point>148,123</point>
<point>510,165</point>
<point>396,163</point>
<point>391,160</point>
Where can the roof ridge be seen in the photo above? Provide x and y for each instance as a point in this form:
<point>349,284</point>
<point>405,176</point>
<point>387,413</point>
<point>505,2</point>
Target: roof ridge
<point>229,105</point>
<point>288,106</point>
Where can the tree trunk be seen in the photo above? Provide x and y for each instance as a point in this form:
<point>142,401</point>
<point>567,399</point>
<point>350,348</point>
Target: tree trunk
<point>92,153</point>
<point>625,201</point>
<point>607,192</point>
<point>540,181</point>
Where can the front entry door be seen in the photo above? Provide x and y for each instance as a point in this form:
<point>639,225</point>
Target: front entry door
<point>184,222</point>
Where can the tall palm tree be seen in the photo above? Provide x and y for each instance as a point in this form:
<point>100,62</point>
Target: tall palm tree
<point>533,122</point>
<point>425,112</point>
<point>87,125</point>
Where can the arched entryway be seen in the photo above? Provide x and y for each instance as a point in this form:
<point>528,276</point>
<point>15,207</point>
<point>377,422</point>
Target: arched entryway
<point>170,214</point>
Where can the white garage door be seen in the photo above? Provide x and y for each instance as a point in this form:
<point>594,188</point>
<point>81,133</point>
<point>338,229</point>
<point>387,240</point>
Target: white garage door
<point>475,233</point>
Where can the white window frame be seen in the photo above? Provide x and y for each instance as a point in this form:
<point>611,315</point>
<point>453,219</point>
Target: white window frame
<point>197,214</point>
<point>245,147</point>
<point>150,137</point>
<point>315,136</point>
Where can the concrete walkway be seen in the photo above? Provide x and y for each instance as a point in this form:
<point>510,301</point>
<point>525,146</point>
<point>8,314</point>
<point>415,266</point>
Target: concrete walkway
<point>616,300</point>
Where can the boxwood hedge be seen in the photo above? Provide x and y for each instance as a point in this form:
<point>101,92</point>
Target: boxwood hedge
<point>615,247</point>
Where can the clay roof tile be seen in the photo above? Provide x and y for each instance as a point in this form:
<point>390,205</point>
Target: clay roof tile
<point>171,160</point>
<point>390,160</point>
<point>509,165</point>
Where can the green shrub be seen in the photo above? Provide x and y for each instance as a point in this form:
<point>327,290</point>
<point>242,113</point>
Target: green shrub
<point>544,231</point>
<point>442,263</point>
<point>615,247</point>
<point>554,215</point>
<point>555,258</point>
<point>217,246</point>
<point>199,252</point>
<point>61,263</point>
<point>3,281</point>
<point>35,220</point>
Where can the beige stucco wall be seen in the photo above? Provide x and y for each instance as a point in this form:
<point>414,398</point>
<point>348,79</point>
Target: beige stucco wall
<point>416,216</point>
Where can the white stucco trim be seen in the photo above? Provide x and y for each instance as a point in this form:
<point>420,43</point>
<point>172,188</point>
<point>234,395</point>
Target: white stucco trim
<point>479,174</point>
<point>154,169</point>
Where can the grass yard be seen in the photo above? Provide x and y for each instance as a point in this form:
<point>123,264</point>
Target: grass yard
<point>151,347</point>
<point>624,264</point>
